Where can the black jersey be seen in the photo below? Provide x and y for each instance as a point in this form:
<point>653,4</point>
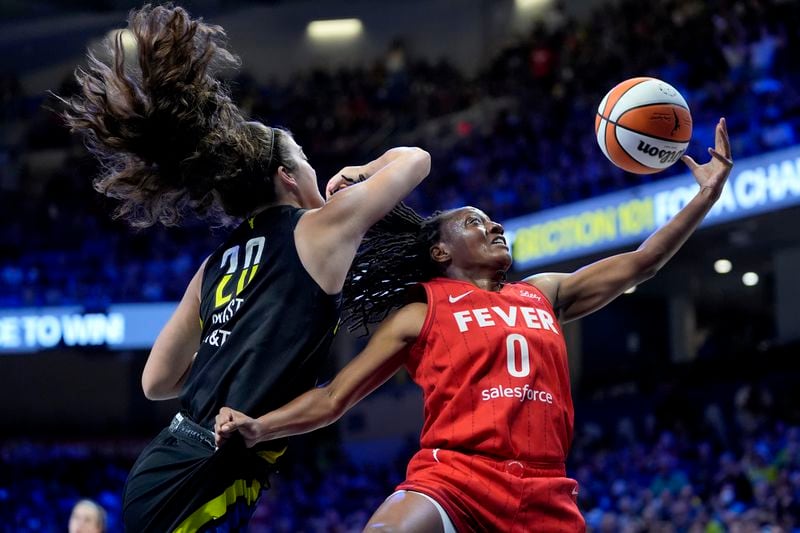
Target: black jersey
<point>266,324</point>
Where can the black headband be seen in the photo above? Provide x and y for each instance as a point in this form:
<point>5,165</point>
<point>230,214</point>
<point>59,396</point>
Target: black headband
<point>271,147</point>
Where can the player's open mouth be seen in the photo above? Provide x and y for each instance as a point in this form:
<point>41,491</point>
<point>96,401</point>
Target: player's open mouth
<point>500,240</point>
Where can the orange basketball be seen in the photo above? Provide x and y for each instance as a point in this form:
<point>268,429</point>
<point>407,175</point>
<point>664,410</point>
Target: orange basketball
<point>643,125</point>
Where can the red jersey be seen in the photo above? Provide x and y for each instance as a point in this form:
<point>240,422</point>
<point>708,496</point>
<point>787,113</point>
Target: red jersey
<point>494,373</point>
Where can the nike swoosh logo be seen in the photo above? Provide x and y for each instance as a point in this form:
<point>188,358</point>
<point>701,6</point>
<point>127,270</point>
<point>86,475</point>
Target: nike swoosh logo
<point>454,299</point>
<point>575,491</point>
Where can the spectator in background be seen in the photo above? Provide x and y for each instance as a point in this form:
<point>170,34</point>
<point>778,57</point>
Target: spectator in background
<point>87,516</point>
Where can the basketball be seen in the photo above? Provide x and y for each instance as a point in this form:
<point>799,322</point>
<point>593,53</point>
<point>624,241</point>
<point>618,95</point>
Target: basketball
<point>643,125</point>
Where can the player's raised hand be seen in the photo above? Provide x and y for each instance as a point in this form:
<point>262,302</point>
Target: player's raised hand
<point>344,178</point>
<point>714,173</point>
<point>229,421</point>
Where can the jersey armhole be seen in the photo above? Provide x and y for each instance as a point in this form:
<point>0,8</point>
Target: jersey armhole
<point>297,215</point>
<point>295,220</point>
<point>418,346</point>
<point>202,293</point>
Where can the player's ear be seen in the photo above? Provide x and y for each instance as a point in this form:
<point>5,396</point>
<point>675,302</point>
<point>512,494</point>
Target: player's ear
<point>440,252</point>
<point>284,179</point>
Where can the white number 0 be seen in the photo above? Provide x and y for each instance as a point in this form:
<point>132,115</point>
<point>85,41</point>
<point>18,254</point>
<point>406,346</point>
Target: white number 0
<point>525,359</point>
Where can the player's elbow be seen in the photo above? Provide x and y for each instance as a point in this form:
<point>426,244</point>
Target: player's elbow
<point>156,388</point>
<point>151,389</point>
<point>419,162</point>
<point>164,374</point>
<point>646,273</point>
<point>423,161</point>
<point>421,154</point>
<point>334,406</point>
<point>150,392</point>
<point>646,265</point>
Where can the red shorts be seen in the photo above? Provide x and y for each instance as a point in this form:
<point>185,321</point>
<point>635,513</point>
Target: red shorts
<point>480,494</point>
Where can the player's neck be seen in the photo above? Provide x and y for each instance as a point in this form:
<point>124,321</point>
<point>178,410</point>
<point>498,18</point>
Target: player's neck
<point>280,199</point>
<point>486,280</point>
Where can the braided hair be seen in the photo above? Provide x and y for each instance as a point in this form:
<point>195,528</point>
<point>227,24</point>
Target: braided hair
<point>393,258</point>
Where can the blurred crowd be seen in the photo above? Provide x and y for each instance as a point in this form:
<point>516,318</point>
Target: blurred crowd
<point>512,139</point>
<point>515,138</point>
<point>681,480</point>
<point>688,458</point>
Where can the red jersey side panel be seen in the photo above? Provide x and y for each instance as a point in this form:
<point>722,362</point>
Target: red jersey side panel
<point>493,367</point>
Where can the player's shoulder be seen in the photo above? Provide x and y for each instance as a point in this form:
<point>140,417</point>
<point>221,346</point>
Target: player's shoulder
<point>411,311</point>
<point>407,321</point>
<point>548,283</point>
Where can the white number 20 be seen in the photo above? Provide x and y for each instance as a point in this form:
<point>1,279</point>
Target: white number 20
<point>524,368</point>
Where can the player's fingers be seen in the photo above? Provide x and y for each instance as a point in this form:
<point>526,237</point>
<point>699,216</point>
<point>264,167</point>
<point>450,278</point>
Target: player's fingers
<point>225,416</point>
<point>220,439</point>
<point>338,183</point>
<point>726,160</point>
<point>332,184</point>
<point>227,428</point>
<point>691,163</point>
<point>723,143</point>
<point>225,413</point>
<point>329,190</point>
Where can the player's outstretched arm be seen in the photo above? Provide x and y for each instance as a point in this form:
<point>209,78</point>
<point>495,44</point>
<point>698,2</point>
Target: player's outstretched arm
<point>381,358</point>
<point>592,287</point>
<point>328,238</point>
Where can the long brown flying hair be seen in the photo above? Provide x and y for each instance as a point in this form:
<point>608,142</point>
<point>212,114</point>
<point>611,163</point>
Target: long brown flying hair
<point>164,128</point>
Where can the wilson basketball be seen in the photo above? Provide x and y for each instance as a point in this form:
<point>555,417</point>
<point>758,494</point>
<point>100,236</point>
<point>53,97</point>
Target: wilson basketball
<point>643,125</point>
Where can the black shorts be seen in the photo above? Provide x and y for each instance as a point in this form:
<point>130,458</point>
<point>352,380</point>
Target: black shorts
<point>180,483</point>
